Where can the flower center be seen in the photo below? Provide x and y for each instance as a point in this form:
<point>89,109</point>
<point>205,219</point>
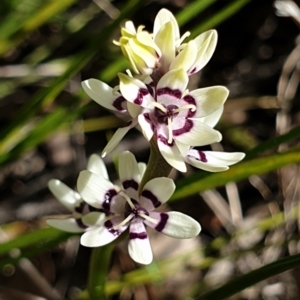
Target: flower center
<point>166,114</point>
<point>133,212</point>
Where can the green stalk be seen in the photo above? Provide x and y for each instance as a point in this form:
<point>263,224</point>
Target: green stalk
<point>236,285</point>
<point>157,165</point>
<point>99,264</point>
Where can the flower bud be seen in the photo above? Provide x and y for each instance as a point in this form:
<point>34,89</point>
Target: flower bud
<point>139,48</point>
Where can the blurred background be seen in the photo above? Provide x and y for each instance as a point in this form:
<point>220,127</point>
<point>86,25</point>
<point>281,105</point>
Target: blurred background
<point>49,127</point>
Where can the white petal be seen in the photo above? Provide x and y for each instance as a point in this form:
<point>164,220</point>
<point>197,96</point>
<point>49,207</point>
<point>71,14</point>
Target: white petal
<point>129,174</point>
<point>175,224</point>
<point>135,91</point>
<point>212,119</point>
<point>174,80</point>
<point>133,109</point>
<point>165,40</point>
<point>102,235</point>
<point>117,137</point>
<point>172,155</point>
<point>68,225</point>
<point>206,45</point>
<point>139,247</point>
<point>96,165</point>
<point>164,16</point>
<point>213,161</point>
<point>142,168</point>
<point>93,218</point>
<point>183,149</point>
<point>209,100</point>
<point>66,196</point>
<point>101,93</point>
<point>96,190</point>
<point>186,58</point>
<point>146,126</point>
<point>198,135</point>
<point>156,192</point>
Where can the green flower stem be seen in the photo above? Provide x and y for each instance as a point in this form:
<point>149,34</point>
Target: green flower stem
<point>99,264</point>
<point>157,165</point>
<point>236,285</point>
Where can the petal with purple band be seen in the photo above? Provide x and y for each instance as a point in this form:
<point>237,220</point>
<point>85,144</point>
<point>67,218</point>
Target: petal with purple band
<point>213,161</point>
<point>171,154</point>
<point>96,165</point>
<point>96,190</point>
<point>175,224</point>
<point>103,235</point>
<point>208,100</point>
<point>66,196</point>
<point>197,134</point>
<point>129,174</point>
<point>117,137</point>
<point>68,225</point>
<point>101,93</point>
<point>139,247</point>
<point>156,192</point>
<point>174,80</point>
<point>135,91</point>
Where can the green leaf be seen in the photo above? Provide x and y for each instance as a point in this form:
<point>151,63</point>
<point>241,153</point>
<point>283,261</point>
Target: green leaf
<point>236,285</point>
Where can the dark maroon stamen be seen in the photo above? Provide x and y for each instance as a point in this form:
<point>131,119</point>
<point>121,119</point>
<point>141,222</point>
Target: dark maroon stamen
<point>186,128</point>
<point>137,235</point>
<point>118,103</point>
<point>140,96</point>
<point>149,195</point>
<point>162,223</point>
<point>168,91</point>
<point>130,184</point>
<point>107,199</point>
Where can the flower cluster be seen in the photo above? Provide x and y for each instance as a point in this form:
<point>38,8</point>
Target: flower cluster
<point>103,210</point>
<point>158,99</point>
<point>176,120</point>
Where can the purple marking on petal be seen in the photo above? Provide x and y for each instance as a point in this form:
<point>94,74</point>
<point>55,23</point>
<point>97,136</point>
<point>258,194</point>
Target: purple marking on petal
<point>168,91</point>
<point>110,227</point>
<point>149,195</point>
<point>81,224</point>
<point>140,96</point>
<point>202,156</point>
<point>162,222</point>
<point>130,184</point>
<point>165,141</point>
<point>118,103</point>
<point>138,235</point>
<point>193,71</point>
<point>107,199</point>
<point>190,100</point>
<point>186,128</point>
